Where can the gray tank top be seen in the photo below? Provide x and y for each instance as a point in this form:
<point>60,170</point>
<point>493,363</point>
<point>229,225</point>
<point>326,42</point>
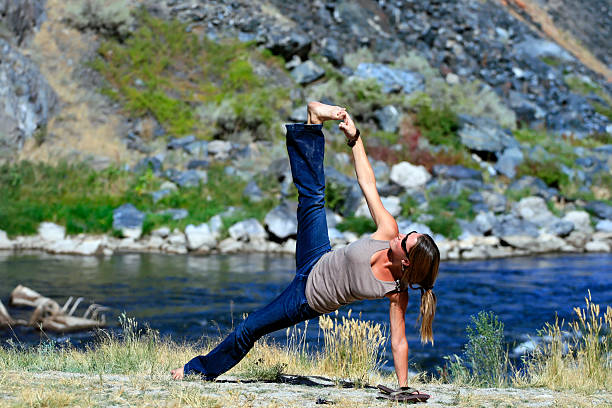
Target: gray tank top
<point>344,275</point>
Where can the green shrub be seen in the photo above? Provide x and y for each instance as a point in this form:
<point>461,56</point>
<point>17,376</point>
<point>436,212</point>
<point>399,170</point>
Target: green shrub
<point>484,362</point>
<point>190,85</point>
<point>446,210</point>
<point>109,17</point>
<point>359,225</point>
<point>83,200</point>
<point>548,170</point>
<point>439,126</point>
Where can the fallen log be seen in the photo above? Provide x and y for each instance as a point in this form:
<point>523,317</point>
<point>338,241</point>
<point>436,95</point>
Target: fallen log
<point>48,315</point>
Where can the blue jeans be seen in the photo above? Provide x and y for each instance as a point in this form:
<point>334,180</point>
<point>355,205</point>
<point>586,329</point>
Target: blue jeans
<point>305,145</point>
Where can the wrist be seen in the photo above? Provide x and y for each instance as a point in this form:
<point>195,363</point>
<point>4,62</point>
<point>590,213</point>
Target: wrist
<point>352,140</point>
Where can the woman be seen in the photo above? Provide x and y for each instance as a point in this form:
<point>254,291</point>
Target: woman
<point>383,265</point>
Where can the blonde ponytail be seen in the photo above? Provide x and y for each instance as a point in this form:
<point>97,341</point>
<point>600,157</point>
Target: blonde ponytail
<point>426,316</point>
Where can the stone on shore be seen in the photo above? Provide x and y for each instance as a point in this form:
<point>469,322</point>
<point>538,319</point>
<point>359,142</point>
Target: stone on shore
<point>597,246</point>
<point>281,221</point>
<point>128,219</point>
<point>200,237</point>
<point>5,242</point>
<point>247,230</point>
<point>51,232</point>
<point>580,219</point>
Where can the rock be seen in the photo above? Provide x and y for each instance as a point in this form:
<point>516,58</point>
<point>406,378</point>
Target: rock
<point>336,237</point>
<point>253,192</point>
<point>175,213</point>
<point>191,178</point>
<point>200,237</point>
<point>603,226</point>
<point>534,209</point>
<point>247,230</point>
<point>456,172</point>
<point>20,17</point>
<point>147,163</point>
<point>281,222</point>
<point>332,51</point>
<point>299,115</point>
<point>509,225</point>
<point>230,245</point>
<point>484,135</point>
<point>484,222</point>
<point>220,149</point>
<point>198,148</point>
<point>581,221</point>
<point>216,225</point>
<point>526,111</point>
<point>388,118</point>
<point>27,102</point>
<point>5,242</point>
<point>332,218</point>
<point>177,239</point>
<point>391,79</point>
<point>597,246</point>
<point>600,209</point>
<point>578,239</point>
<point>392,204</point>
<point>176,144</point>
<point>537,48</point>
<point>307,72</point>
<point>381,171</point>
<point>159,194</point>
<point>508,161</point>
<point>162,232</point>
<point>51,232</point>
<point>560,228</point>
<point>409,176</point>
<point>535,186</point>
<point>288,45</point>
<point>494,201</point>
<point>197,164</point>
<point>128,220</point>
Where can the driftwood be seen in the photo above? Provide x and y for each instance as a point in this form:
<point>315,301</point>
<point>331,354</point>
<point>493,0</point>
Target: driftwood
<point>6,320</point>
<point>48,315</point>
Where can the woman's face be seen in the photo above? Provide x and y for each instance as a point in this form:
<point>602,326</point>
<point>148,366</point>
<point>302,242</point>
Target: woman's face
<point>401,245</point>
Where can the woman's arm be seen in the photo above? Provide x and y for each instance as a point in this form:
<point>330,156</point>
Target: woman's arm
<point>399,344</point>
<point>386,227</point>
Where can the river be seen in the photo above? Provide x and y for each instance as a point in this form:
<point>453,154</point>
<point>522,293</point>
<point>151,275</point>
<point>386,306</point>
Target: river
<point>187,297</point>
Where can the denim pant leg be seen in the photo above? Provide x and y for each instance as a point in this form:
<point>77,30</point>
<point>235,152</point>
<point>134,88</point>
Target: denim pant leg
<point>305,145</point>
<point>289,308</point>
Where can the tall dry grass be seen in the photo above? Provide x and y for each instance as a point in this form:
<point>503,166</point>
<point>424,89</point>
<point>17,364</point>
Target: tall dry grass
<point>578,358</point>
<point>352,352</point>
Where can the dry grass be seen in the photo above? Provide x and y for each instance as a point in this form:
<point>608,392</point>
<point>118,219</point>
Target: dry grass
<point>578,359</point>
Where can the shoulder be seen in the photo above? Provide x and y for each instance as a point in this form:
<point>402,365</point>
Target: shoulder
<point>387,231</point>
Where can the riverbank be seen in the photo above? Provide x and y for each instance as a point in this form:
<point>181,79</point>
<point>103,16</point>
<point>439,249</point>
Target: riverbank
<point>56,388</point>
<point>241,240</point>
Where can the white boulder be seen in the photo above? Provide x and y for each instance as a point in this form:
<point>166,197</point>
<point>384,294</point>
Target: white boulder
<point>409,176</point>
<point>200,237</point>
<point>51,232</point>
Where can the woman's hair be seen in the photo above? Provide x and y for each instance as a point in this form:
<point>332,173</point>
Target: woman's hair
<point>424,260</point>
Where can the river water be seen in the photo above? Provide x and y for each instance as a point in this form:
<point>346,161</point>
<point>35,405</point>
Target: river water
<point>187,297</point>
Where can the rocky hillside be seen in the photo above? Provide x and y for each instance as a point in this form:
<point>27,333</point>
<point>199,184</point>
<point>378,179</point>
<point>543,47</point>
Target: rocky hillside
<point>478,120</point>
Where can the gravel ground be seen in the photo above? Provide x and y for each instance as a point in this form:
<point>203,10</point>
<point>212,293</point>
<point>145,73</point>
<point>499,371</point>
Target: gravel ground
<point>70,389</point>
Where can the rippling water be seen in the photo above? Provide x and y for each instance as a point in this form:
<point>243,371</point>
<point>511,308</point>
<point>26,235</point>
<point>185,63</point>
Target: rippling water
<point>188,297</point>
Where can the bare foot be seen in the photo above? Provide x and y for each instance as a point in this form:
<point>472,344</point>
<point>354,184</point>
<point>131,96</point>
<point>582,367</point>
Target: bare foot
<point>177,373</point>
<point>319,112</point>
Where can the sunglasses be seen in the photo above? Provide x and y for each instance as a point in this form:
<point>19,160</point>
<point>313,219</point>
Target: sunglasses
<point>403,244</point>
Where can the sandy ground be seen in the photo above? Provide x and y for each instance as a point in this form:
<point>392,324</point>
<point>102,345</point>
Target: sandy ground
<point>69,389</point>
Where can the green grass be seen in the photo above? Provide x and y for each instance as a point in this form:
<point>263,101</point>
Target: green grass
<point>577,85</point>
<point>190,85</point>
<point>439,126</point>
<point>359,225</point>
<point>446,210</point>
<point>83,200</point>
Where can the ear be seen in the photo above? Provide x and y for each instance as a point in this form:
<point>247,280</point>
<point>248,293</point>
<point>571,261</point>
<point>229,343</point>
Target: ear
<point>405,263</point>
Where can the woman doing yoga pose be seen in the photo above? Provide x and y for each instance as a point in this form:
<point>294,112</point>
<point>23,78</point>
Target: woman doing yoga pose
<point>382,265</point>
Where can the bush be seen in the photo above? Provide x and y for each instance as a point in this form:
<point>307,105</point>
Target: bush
<point>359,225</point>
<point>190,85</point>
<point>446,210</point>
<point>485,363</point>
<point>439,126</point>
<point>109,17</point>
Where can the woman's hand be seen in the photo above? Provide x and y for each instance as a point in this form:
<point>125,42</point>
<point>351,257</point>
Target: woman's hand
<point>348,126</point>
